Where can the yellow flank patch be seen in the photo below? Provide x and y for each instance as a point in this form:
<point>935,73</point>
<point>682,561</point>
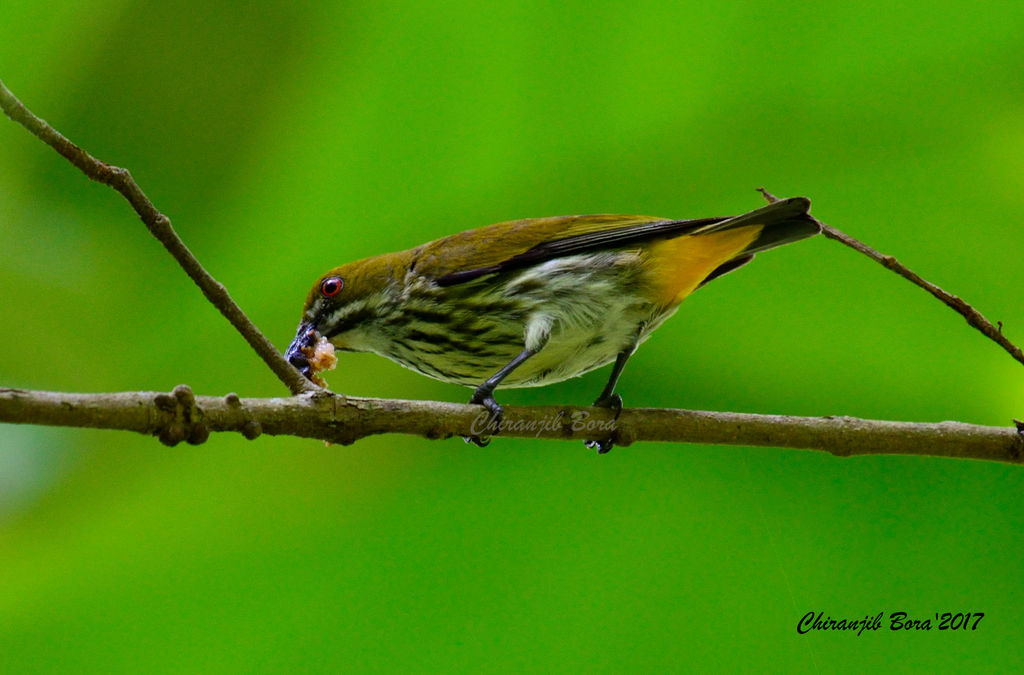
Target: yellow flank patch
<point>677,266</point>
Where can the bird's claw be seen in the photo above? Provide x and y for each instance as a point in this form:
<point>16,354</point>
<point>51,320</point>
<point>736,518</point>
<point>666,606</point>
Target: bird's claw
<point>601,446</point>
<point>486,399</point>
<point>478,441</point>
<point>612,402</point>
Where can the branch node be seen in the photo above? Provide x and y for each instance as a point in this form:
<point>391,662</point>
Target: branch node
<point>198,434</point>
<point>172,434</point>
<point>115,176</point>
<point>435,434</point>
<point>252,429</point>
<point>185,417</point>
<point>341,435</point>
<point>322,394</point>
<point>233,401</point>
<point>164,402</point>
<point>184,394</point>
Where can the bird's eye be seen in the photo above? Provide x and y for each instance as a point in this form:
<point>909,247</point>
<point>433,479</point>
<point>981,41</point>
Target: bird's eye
<point>331,286</point>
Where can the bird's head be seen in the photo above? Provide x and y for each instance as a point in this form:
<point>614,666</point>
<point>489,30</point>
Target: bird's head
<point>343,303</point>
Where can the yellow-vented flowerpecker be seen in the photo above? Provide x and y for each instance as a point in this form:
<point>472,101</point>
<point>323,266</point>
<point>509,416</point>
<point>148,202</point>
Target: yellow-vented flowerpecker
<point>532,302</point>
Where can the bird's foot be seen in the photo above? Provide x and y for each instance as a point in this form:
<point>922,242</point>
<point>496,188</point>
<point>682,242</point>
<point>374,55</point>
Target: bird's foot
<point>485,397</point>
<point>612,402</point>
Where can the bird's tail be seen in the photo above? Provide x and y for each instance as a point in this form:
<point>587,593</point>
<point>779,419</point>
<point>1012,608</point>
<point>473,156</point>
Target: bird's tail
<point>684,263</point>
<point>781,222</point>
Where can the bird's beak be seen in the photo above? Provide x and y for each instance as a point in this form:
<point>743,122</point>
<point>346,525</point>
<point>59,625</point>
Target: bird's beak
<point>305,337</point>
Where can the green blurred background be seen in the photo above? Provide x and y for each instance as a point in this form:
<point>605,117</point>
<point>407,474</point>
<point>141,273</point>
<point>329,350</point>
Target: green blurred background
<point>285,138</point>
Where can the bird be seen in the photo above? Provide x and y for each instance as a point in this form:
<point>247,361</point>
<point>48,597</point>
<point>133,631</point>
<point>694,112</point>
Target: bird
<point>532,302</point>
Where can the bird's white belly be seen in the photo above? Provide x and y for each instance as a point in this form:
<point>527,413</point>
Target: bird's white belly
<point>573,349</point>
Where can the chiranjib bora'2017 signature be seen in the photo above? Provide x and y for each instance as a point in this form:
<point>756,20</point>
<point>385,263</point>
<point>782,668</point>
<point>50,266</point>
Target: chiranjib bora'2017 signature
<point>898,621</point>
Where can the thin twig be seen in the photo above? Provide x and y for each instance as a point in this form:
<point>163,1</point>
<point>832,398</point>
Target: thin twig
<point>964,309</point>
<point>182,416</point>
<point>160,227</point>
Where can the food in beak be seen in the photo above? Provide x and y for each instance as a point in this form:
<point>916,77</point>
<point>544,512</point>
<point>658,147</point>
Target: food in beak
<point>321,357</point>
<point>311,353</point>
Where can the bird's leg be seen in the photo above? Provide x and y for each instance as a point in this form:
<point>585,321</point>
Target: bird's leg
<point>609,399</point>
<point>484,395</point>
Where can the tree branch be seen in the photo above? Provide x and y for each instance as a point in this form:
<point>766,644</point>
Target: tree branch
<point>160,227</point>
<point>181,415</point>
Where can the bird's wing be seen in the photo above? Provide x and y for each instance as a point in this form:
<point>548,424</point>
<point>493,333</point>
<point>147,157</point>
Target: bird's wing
<point>513,245</point>
<point>520,243</point>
